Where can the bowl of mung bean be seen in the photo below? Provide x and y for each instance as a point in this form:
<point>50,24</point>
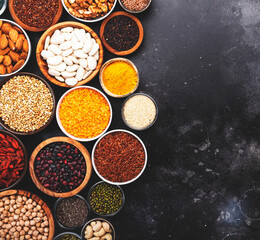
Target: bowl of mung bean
<point>84,113</point>
<point>105,199</point>
<point>67,236</point>
<point>135,6</point>
<point>27,103</point>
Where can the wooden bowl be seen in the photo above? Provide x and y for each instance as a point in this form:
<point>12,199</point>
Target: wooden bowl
<point>25,159</point>
<point>34,29</point>
<point>85,154</point>
<point>2,123</point>
<point>137,45</point>
<point>43,65</point>
<point>134,11</point>
<point>39,201</point>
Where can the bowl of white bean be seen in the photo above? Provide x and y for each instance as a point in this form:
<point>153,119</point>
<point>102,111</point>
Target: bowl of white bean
<point>69,54</point>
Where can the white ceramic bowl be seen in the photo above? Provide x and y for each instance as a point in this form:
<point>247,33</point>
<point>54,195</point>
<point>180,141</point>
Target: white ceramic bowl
<point>29,44</point>
<point>63,129</point>
<point>90,20</point>
<point>118,183</point>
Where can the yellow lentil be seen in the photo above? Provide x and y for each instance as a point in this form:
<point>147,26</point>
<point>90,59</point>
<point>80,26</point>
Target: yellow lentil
<point>84,113</point>
<point>119,78</point>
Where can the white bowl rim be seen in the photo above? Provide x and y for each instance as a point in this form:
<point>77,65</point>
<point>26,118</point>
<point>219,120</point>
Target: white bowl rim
<point>62,128</point>
<point>3,7</point>
<point>119,183</point>
<point>29,44</point>
<point>91,20</point>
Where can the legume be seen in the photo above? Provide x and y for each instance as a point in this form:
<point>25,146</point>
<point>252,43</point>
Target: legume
<point>105,198</point>
<point>40,13</point>
<point>12,160</point>
<point>121,33</point>
<point>60,167</point>
<point>26,103</point>
<point>135,5</point>
<point>22,217</point>
<point>84,113</point>
<point>119,78</point>
<point>139,112</point>
<point>72,212</point>
<point>119,157</point>
<point>68,237</point>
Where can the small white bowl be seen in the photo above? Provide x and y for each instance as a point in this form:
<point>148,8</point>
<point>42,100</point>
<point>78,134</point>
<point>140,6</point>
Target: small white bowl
<point>118,183</point>
<point>63,129</point>
<point>90,20</point>
<point>29,44</point>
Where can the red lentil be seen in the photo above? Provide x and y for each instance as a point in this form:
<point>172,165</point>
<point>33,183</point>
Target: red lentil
<point>119,157</point>
<point>40,13</point>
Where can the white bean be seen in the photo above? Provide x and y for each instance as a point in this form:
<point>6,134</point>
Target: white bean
<point>88,35</point>
<point>67,52</point>
<point>92,63</point>
<point>47,42</point>
<point>87,74</point>
<point>59,78</point>
<point>67,29</point>
<point>68,61</point>
<point>71,81</point>
<point>67,36</point>
<point>73,59</point>
<point>87,46</point>
<point>61,67</point>
<point>77,45</point>
<point>94,49</point>
<point>46,54</point>
<point>57,39</point>
<point>54,61</point>
<point>80,54</point>
<point>53,72</point>
<point>66,45</point>
<point>80,73</point>
<point>83,62</point>
<point>96,55</point>
<point>72,68</point>
<point>55,49</point>
<point>68,74</point>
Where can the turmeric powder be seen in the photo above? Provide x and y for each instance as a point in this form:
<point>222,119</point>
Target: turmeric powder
<point>120,78</point>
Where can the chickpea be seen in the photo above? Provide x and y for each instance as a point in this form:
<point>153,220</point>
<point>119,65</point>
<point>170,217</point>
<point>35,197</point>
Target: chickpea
<point>19,228</point>
<point>17,211</point>
<point>8,226</point>
<point>27,236</point>
<point>1,204</point>
<point>26,223</point>
<point>22,222</point>
<point>44,238</point>
<point>34,214</point>
<point>30,232</point>
<point>16,234</point>
<point>46,230</point>
<point>7,201</point>
<point>26,229</point>
<point>12,202</point>
<point>16,217</point>
<point>32,222</point>
<point>22,232</point>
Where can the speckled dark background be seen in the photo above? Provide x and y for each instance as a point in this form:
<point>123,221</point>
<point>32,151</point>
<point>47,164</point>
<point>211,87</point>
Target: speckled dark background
<point>200,60</point>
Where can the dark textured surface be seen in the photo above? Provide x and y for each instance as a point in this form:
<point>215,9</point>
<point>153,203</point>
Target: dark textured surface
<point>200,60</point>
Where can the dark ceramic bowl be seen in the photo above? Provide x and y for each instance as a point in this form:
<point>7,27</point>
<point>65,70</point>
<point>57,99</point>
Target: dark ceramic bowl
<point>106,215</point>
<point>25,158</point>
<point>98,219</point>
<point>2,123</point>
<point>58,237</point>
<point>63,226</point>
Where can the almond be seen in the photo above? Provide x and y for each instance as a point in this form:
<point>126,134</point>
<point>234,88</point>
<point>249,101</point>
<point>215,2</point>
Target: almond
<point>13,35</point>
<point>6,24</point>
<point>17,29</point>
<point>0,33</point>
<point>5,51</point>
<point>7,60</point>
<point>2,69</point>
<point>1,59</point>
<point>3,41</point>
<point>6,29</point>
<point>1,23</point>
<point>11,44</point>
<point>9,69</point>
<point>15,56</point>
<point>25,46</point>
<point>23,56</point>
<point>19,43</point>
<point>22,36</point>
<point>18,65</point>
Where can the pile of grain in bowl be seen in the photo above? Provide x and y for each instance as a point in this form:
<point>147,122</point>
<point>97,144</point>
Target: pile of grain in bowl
<point>135,5</point>
<point>22,218</point>
<point>26,103</point>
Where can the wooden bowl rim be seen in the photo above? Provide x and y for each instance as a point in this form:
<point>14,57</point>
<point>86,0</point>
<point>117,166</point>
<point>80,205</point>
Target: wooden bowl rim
<point>25,159</point>
<point>5,126</point>
<point>64,130</point>
<point>34,29</point>
<point>85,154</point>
<point>39,201</point>
<point>119,183</point>
<point>133,11</point>
<point>49,32</point>
<point>110,62</point>
<point>129,51</point>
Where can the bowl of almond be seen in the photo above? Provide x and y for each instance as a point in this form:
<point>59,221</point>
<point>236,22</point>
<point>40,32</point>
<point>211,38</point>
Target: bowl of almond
<point>15,48</point>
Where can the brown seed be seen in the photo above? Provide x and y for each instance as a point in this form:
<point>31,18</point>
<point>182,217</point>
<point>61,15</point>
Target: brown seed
<point>11,44</point>
<point>1,59</point>
<point>18,65</point>
<point>23,56</point>
<point>5,51</point>
<point>19,43</point>
<point>2,69</point>
<point>13,35</point>
<point>7,60</point>
<point>3,41</point>
<point>25,46</point>
<point>15,56</point>
<point>9,68</point>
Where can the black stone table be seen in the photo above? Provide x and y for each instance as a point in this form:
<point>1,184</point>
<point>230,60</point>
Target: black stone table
<point>200,60</point>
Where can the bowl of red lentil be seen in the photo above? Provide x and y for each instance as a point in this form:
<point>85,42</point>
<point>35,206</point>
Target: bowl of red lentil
<point>27,103</point>
<point>89,11</point>
<point>35,16</point>
<point>13,160</point>
<point>119,157</point>
<point>135,6</point>
<point>84,113</point>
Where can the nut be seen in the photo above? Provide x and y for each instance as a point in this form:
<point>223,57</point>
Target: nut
<point>19,43</point>
<point>7,60</point>
<point>11,44</point>
<point>13,34</point>
<point>2,69</point>
<point>3,41</point>
<point>18,65</point>
<point>25,46</point>
<point>15,56</point>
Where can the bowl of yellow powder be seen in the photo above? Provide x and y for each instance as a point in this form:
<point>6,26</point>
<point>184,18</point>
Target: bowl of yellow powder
<point>84,113</point>
<point>119,77</point>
